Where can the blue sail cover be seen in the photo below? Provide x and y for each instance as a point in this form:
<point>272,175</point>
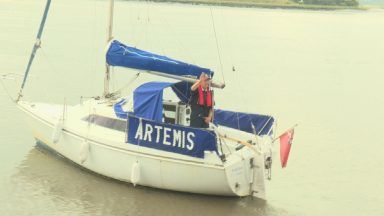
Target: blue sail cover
<point>247,122</point>
<point>125,56</point>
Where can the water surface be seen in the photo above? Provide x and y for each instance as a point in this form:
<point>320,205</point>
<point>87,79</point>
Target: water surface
<point>320,69</point>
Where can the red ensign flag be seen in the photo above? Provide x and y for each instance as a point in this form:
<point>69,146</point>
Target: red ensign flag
<point>285,146</point>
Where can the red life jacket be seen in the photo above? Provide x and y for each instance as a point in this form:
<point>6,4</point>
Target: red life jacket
<point>208,99</point>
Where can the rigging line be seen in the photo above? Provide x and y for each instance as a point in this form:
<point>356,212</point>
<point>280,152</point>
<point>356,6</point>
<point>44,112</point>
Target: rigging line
<point>217,45</point>
<point>147,20</point>
<point>182,94</point>
<point>269,119</point>
<point>6,90</point>
<point>113,79</point>
<point>223,19</point>
<point>135,27</point>
<point>36,46</point>
<point>129,83</point>
<point>226,145</point>
<point>274,132</point>
<point>171,31</point>
<point>142,18</point>
<point>140,32</point>
<point>157,40</point>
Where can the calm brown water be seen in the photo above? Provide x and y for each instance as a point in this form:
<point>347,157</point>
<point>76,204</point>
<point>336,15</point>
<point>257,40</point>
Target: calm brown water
<point>322,70</point>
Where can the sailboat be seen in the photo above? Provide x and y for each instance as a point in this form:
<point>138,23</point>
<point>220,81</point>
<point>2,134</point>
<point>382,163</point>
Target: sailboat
<point>147,140</point>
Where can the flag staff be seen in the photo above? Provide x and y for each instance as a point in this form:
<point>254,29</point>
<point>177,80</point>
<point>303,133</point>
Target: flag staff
<point>285,132</point>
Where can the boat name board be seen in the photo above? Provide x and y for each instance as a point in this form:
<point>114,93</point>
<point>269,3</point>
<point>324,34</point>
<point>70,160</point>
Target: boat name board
<point>168,137</point>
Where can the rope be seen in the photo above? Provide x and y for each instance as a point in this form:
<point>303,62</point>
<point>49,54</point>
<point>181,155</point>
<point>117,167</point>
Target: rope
<point>240,142</point>
<point>145,18</point>
<point>179,45</point>
<point>217,45</point>
<point>129,83</point>
<point>6,90</point>
<point>113,80</point>
<point>182,94</point>
<point>226,145</point>
<point>269,119</point>
<point>225,33</point>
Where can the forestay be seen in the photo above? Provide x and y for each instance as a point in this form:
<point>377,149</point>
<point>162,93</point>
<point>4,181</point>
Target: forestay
<point>35,47</point>
<point>122,55</point>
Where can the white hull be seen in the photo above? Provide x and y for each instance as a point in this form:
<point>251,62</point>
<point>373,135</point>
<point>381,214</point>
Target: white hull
<point>106,153</point>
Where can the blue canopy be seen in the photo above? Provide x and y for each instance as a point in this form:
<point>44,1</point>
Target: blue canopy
<point>148,100</point>
<point>118,107</point>
<point>125,56</point>
<point>183,91</point>
<point>247,122</point>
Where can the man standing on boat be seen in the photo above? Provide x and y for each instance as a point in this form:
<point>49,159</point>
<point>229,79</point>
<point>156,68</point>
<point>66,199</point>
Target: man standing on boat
<point>201,102</point>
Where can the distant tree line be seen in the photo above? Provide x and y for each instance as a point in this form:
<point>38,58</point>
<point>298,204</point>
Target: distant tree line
<point>330,2</point>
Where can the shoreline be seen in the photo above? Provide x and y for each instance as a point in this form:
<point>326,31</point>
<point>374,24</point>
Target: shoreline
<point>256,4</point>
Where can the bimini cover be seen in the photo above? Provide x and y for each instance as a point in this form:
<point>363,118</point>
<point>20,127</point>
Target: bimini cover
<point>148,100</point>
<point>125,56</point>
<point>247,122</point>
<point>183,91</point>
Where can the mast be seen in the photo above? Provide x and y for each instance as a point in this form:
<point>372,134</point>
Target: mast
<point>109,38</point>
<point>36,46</point>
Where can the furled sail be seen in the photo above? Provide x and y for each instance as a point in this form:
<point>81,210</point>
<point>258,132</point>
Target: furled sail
<point>122,55</point>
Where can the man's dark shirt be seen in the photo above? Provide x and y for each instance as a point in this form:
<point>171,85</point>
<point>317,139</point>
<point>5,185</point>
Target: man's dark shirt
<point>198,112</point>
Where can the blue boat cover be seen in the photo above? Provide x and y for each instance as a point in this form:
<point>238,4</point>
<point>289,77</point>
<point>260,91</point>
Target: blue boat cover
<point>183,91</point>
<point>247,122</point>
<point>118,107</point>
<point>125,56</point>
<point>148,100</point>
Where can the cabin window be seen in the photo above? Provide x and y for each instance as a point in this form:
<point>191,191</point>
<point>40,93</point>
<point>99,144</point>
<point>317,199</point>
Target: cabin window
<point>111,123</point>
